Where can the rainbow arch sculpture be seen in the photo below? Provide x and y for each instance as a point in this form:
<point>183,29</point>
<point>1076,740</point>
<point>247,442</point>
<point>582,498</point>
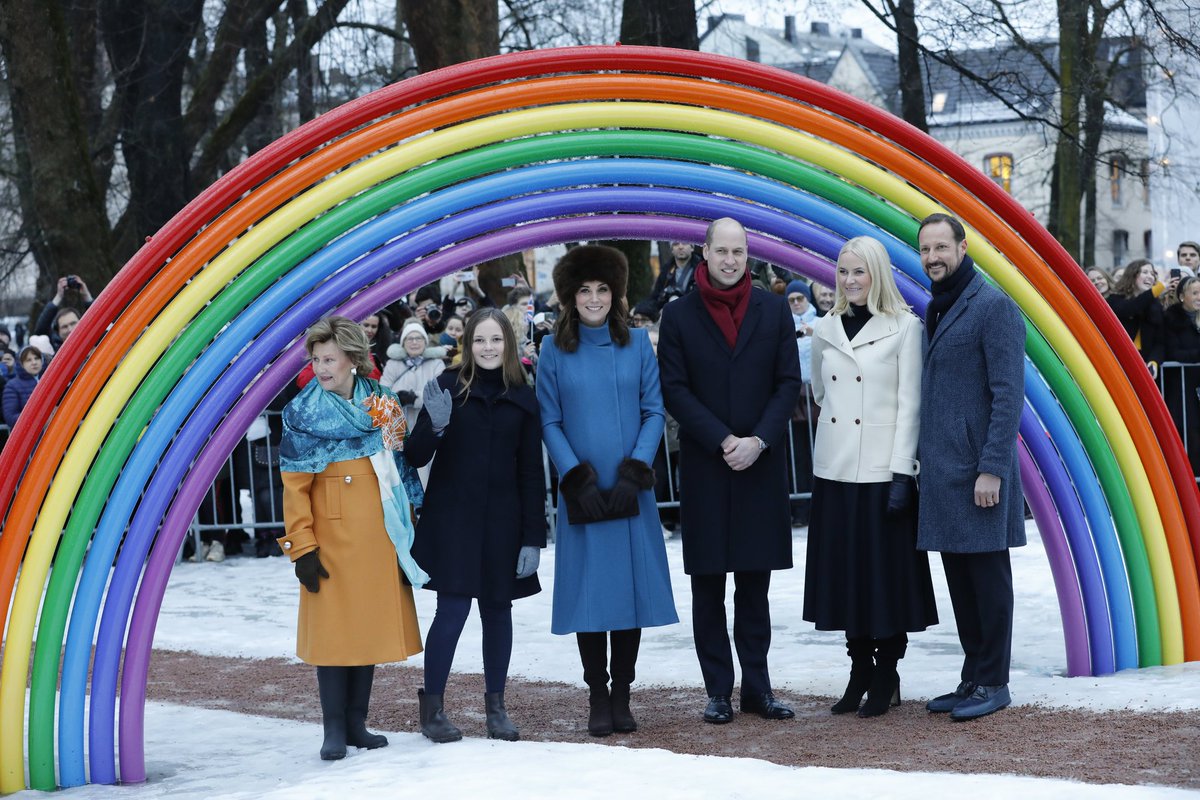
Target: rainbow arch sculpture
<point>201,329</point>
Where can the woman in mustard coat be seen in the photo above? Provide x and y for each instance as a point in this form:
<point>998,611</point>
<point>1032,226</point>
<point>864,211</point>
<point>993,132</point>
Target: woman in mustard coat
<point>349,530</point>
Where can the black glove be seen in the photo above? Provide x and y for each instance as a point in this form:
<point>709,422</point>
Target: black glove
<point>623,495</point>
<point>406,397</point>
<point>899,494</point>
<point>578,485</point>
<point>310,570</point>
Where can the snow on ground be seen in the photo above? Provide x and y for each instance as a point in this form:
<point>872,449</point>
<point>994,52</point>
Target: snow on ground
<point>246,607</point>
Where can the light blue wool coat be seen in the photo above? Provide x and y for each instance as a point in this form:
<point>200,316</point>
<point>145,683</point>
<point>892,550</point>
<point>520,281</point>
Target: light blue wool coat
<point>602,404</point>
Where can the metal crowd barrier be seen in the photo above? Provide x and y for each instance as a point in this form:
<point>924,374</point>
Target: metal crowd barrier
<point>1180,387</point>
<point>247,493</point>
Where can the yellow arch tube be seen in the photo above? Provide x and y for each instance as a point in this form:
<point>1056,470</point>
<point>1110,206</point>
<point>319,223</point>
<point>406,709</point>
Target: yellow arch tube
<point>221,270</point>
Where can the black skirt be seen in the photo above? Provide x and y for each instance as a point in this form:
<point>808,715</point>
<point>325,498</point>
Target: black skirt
<point>864,574</point>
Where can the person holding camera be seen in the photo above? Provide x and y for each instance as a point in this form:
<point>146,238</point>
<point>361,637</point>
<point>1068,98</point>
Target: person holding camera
<point>56,320</point>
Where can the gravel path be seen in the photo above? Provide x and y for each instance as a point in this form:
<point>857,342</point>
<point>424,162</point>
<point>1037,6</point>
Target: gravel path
<point>1113,747</point>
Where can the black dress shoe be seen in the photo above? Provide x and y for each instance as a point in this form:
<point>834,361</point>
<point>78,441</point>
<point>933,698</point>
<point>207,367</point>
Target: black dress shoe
<point>944,703</point>
<point>766,706</point>
<point>719,710</point>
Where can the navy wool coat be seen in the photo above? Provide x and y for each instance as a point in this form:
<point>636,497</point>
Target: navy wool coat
<point>731,521</point>
<point>972,393</point>
<point>486,497</point>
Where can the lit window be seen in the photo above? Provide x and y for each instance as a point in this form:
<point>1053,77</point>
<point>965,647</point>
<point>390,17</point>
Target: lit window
<point>999,167</point>
<point>1116,183</point>
<point>939,102</point>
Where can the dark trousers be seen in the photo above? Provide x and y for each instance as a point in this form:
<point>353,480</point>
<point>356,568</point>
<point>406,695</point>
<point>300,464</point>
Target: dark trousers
<point>982,595</point>
<point>751,631</point>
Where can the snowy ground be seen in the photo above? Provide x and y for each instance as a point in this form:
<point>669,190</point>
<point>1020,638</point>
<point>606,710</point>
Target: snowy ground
<point>244,607</point>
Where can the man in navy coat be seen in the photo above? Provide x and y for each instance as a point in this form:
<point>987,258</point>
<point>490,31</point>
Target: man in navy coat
<point>971,510</point>
<point>730,377</point>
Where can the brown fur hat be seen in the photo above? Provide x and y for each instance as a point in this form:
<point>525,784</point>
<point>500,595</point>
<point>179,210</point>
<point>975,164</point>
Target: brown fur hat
<point>590,262</point>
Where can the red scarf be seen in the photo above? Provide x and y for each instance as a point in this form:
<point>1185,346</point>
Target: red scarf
<point>726,306</point>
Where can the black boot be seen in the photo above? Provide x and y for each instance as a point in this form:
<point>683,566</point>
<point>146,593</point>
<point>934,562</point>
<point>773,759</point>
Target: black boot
<point>499,726</point>
<point>434,724</point>
<point>862,667</point>
<point>331,687</point>
<point>593,652</point>
<point>358,700</point>
<point>624,661</point>
<point>885,683</point>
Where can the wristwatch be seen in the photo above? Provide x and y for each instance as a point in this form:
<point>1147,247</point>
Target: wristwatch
<point>761,444</point>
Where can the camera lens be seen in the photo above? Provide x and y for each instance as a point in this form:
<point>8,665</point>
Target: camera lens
<point>434,313</point>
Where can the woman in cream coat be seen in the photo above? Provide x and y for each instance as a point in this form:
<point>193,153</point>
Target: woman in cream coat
<point>863,574</point>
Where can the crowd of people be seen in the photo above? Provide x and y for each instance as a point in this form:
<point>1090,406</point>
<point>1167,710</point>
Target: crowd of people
<point>430,474</point>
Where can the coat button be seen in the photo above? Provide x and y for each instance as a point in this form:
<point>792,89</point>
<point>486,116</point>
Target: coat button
<point>858,422</point>
<point>835,377</point>
<point>347,479</point>
<point>833,420</point>
<point>287,545</point>
<point>859,378</point>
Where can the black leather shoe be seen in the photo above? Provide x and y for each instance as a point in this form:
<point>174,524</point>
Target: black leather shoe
<point>983,701</point>
<point>946,702</point>
<point>766,706</point>
<point>719,710</point>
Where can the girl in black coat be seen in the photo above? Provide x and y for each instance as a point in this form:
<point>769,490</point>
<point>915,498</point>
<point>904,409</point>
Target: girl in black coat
<point>483,522</point>
<point>1135,302</point>
<point>1181,335</point>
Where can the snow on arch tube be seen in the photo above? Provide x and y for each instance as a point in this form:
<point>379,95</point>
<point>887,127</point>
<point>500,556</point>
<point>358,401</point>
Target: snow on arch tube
<point>52,450</point>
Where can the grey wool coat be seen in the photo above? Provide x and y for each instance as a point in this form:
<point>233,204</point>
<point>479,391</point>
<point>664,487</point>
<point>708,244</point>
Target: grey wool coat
<point>732,521</point>
<point>972,394</point>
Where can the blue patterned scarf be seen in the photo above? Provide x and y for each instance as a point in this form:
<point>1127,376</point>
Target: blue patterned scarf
<point>320,428</point>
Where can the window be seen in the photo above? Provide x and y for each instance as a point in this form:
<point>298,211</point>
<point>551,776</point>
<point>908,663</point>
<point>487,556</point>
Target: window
<point>752,50</point>
<point>939,102</point>
<point>1147,241</point>
<point>1120,247</point>
<point>1116,174</point>
<point>999,167</point>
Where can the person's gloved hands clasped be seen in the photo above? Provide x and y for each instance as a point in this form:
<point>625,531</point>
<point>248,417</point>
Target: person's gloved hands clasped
<point>632,477</point>
<point>899,493</point>
<point>528,560</point>
<point>310,570</point>
<point>579,484</point>
<point>438,405</point>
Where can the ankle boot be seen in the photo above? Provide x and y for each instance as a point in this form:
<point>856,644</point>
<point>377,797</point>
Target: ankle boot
<point>623,664</point>
<point>600,716</point>
<point>358,699</point>
<point>885,683</point>
<point>434,724</point>
<point>499,726</point>
<point>862,668</point>
<point>331,687</point>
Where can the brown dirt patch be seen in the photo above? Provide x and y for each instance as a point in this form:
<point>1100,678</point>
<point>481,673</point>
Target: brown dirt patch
<point>1110,747</point>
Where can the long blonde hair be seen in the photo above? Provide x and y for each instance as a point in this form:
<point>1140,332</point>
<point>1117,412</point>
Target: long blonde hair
<point>883,297</point>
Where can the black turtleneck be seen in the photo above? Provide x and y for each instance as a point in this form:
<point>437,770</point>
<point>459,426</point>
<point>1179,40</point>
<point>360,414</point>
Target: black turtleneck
<point>854,319</point>
<point>488,383</point>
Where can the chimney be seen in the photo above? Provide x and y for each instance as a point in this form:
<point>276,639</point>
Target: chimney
<point>819,29</point>
<point>714,21</point>
<point>856,33</point>
<point>789,29</point>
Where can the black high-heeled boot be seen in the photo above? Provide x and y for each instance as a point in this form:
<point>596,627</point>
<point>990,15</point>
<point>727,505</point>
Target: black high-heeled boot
<point>885,683</point>
<point>593,652</point>
<point>623,663</point>
<point>862,667</point>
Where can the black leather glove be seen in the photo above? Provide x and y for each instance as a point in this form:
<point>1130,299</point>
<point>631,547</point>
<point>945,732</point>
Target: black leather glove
<point>899,494</point>
<point>578,485</point>
<point>623,495</point>
<point>310,570</point>
<point>406,397</point>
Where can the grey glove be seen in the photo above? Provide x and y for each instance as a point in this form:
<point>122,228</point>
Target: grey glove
<point>437,404</point>
<point>527,561</point>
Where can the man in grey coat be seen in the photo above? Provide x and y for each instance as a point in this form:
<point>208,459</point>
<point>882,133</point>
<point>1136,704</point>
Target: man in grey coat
<point>971,511</point>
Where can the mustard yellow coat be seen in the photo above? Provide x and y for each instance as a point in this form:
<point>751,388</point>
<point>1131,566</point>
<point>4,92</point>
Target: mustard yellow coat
<point>363,613</point>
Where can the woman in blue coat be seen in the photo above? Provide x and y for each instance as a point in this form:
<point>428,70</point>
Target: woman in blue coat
<point>602,419</point>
